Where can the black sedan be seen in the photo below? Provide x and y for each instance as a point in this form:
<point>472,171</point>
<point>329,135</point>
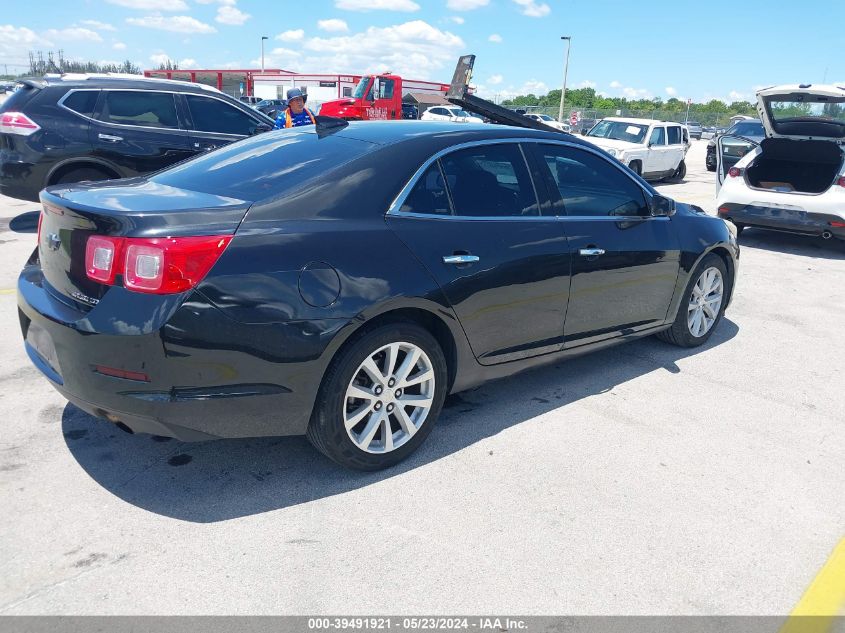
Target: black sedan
<point>340,282</point>
<point>752,130</point>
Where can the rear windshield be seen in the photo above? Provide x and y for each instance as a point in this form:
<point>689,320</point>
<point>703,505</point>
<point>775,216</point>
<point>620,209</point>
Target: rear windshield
<point>263,166</point>
<point>831,110</point>
<point>18,98</point>
<point>747,128</point>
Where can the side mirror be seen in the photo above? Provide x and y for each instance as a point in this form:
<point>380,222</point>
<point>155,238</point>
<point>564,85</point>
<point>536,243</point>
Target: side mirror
<point>262,127</point>
<point>661,206</point>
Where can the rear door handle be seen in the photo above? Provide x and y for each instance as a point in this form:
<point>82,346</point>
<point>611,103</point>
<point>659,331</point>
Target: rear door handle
<point>460,259</point>
<point>110,138</point>
<point>591,252</point>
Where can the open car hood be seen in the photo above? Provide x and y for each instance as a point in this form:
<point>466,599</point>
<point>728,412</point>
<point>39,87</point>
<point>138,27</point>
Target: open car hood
<point>803,111</point>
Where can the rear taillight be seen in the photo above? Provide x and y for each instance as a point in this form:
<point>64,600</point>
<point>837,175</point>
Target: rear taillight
<point>841,182</point>
<point>38,234</point>
<point>17,123</point>
<point>101,256</point>
<point>734,172</point>
<point>837,225</point>
<point>159,265</point>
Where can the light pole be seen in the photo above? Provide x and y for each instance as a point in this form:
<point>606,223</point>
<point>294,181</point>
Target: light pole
<point>565,72</point>
<point>263,37</point>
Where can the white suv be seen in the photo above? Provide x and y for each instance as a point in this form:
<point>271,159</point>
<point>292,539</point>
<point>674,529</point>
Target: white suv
<point>794,179</point>
<point>653,149</point>
<point>545,119</point>
<point>449,113</point>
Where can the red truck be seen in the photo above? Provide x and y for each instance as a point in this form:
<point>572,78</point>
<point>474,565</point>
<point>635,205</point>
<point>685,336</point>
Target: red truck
<point>378,97</point>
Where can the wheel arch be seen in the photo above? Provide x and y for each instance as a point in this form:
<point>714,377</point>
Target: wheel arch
<point>63,167</point>
<point>443,327</point>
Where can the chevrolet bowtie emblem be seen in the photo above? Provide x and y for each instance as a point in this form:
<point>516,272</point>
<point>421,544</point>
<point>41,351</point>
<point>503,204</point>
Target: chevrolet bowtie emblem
<point>53,241</point>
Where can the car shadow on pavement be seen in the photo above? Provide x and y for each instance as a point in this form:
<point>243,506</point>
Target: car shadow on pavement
<point>224,479</point>
<point>792,244</point>
<point>25,222</point>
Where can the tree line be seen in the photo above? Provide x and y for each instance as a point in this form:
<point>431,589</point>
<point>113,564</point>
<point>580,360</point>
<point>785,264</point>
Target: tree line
<point>586,98</point>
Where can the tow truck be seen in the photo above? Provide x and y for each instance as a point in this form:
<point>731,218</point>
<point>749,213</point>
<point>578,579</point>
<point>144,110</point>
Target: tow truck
<point>377,97</point>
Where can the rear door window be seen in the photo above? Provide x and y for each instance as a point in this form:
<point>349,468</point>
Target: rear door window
<point>674,134</point>
<point>490,180</point>
<point>213,115</point>
<point>141,108</point>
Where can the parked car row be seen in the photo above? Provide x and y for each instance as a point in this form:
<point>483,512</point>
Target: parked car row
<point>59,131</point>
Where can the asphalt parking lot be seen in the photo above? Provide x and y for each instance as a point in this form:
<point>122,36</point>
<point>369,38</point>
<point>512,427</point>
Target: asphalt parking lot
<point>644,479</point>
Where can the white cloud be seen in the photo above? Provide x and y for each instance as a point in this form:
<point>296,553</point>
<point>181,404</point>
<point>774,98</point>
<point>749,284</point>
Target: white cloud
<point>737,96</point>
<point>615,84</point>
<point>333,25</point>
<point>532,86</point>
<point>377,5</point>
<point>457,19</point>
<point>466,5</point>
<point>671,91</point>
<point>188,62</point>
<point>96,24</point>
<point>175,24</point>
<point>229,65</point>
<point>73,34</point>
<point>152,5</point>
<point>586,84</point>
<point>495,79</point>
<point>532,9</point>
<point>414,49</point>
<point>637,93</point>
<point>495,38</point>
<point>119,46</point>
<point>230,14</point>
<point>15,40</point>
<point>291,36</point>
<point>279,58</point>
<point>160,58</point>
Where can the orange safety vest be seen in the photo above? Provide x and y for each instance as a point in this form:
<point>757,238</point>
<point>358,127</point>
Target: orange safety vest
<point>289,121</point>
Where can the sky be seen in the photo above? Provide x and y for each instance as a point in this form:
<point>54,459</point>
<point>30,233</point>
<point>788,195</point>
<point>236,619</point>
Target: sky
<point>713,50</point>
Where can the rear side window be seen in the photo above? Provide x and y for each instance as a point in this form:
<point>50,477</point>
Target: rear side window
<point>82,101</point>
<point>142,108</point>
<point>213,115</point>
<point>429,195</point>
<point>490,180</point>
<point>674,133</point>
<point>591,186</point>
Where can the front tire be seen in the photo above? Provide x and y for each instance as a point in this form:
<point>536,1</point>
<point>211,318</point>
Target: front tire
<point>380,398</point>
<point>636,166</point>
<point>702,306</point>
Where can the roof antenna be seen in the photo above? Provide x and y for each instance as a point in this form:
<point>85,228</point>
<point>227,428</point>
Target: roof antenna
<point>328,125</point>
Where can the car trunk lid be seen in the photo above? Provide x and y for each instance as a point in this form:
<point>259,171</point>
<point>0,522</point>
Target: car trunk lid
<point>70,215</point>
<point>811,112</point>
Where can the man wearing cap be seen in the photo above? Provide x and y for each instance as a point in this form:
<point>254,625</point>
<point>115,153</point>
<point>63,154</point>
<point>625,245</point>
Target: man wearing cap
<point>296,113</point>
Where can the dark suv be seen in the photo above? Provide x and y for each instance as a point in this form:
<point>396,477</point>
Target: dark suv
<point>61,130</point>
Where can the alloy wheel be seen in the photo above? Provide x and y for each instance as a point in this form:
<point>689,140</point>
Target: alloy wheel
<point>705,302</point>
<point>389,397</point>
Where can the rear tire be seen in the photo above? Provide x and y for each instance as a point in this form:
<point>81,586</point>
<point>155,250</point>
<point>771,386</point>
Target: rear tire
<point>81,174</point>
<point>368,444</point>
<point>699,313</point>
<point>680,172</point>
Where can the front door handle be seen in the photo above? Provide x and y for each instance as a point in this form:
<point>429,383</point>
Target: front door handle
<point>591,252</point>
<point>110,138</point>
<point>460,259</point>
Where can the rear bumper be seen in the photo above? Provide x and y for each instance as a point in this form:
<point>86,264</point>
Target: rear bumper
<point>208,376</point>
<point>781,219</point>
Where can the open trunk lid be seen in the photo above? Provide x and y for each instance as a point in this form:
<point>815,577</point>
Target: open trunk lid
<point>815,112</point>
<point>128,208</point>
